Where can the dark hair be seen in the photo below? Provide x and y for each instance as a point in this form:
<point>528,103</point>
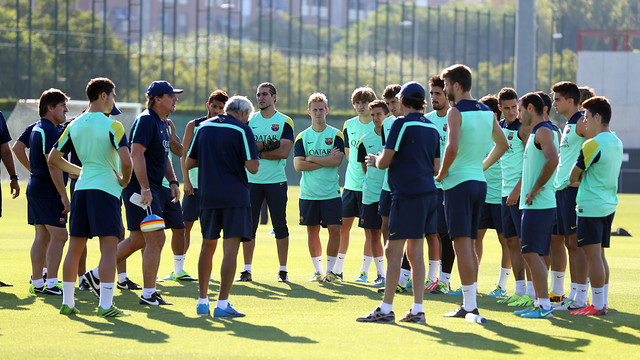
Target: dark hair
<point>460,74</point>
<point>414,104</point>
<point>546,99</point>
<point>363,93</point>
<point>492,102</point>
<point>51,97</point>
<point>391,91</point>
<point>380,104</point>
<point>270,86</point>
<point>218,95</point>
<point>97,86</point>
<point>586,93</point>
<point>436,81</point>
<point>533,99</point>
<point>599,105</point>
<point>567,90</point>
<point>507,94</point>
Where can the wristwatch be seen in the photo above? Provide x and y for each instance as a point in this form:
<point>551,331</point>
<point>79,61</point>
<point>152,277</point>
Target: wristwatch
<point>13,177</point>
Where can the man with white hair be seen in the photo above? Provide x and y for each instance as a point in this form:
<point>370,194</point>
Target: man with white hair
<point>224,197</point>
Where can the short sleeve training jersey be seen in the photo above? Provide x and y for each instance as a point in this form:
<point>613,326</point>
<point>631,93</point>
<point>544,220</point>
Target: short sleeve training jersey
<point>415,141</point>
<point>570,147</point>
<point>193,172</point>
<point>532,165</point>
<point>371,143</point>
<point>601,159</point>
<point>386,128</point>
<point>511,161</point>
<point>4,131</point>
<point>353,130</point>
<point>222,145</point>
<point>322,183</point>
<point>151,132</point>
<point>43,136</point>
<point>441,126</point>
<point>475,135</point>
<point>95,139</point>
<point>277,127</point>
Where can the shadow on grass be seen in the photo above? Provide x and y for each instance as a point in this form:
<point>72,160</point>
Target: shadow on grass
<point>521,334</point>
<point>120,328</point>
<point>247,330</point>
<point>607,326</point>
<point>11,301</point>
<point>294,291</point>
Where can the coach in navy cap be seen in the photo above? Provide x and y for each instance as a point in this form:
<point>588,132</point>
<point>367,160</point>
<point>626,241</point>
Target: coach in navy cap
<point>161,87</point>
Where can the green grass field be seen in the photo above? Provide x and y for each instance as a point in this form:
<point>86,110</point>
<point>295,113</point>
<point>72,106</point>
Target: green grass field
<point>302,319</point>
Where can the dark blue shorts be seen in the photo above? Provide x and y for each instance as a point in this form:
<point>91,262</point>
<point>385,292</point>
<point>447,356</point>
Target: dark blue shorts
<point>491,217</point>
<point>135,214</point>
<point>351,203</point>
<point>235,222</point>
<point>369,217</point>
<point>536,230</point>
<point>511,219</point>
<point>566,211</point>
<point>172,211</point>
<point>384,206</point>
<point>595,230</point>
<point>442,220</point>
<point>462,206</point>
<point>191,206</point>
<point>89,219</point>
<point>321,212</point>
<point>276,196</point>
<point>413,218</point>
<point>46,211</point>
<point>72,189</point>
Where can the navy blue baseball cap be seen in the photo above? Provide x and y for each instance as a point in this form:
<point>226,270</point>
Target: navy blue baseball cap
<point>161,87</point>
<point>413,91</point>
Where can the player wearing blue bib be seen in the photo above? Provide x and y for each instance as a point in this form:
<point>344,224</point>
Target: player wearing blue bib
<point>47,198</point>
<point>537,200</point>
<point>511,164</point>
<point>318,151</point>
<point>191,198</point>
<point>100,145</point>
<point>274,137</point>
<point>353,130</point>
<point>491,215</point>
<point>224,195</point>
<point>370,220</point>
<point>566,98</point>
<point>597,169</point>
<point>7,159</point>
<point>412,154</point>
<point>471,126</point>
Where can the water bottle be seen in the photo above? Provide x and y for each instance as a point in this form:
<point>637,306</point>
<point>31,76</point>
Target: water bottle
<point>471,317</point>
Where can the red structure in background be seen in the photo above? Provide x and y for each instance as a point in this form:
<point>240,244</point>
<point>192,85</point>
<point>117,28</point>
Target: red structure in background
<point>610,34</point>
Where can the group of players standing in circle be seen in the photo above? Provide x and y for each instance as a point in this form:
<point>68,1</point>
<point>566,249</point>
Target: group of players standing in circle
<point>448,175</point>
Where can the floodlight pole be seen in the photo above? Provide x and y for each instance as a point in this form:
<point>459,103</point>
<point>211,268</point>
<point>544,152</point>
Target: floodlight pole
<point>525,47</point>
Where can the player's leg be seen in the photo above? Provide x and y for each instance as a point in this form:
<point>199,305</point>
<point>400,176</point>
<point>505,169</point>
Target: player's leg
<point>433,242</point>
<point>558,265</point>
<point>257,198</point>
<point>210,224</point>
<point>57,238</point>
<point>331,216</point>
<point>38,251</point>
<point>310,217</point>
<point>415,254</point>
<point>276,195</point>
<point>69,272</point>
<point>154,242</point>
<point>107,269</point>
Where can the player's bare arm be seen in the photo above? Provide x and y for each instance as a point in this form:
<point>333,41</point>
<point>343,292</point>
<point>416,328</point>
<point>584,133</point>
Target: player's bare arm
<point>252,165</point>
<point>575,177</point>
<point>186,143</point>
<point>282,152</point>
<point>140,168</point>
<point>126,166</point>
<point>300,163</point>
<point>174,141</point>
<point>20,150</point>
<point>544,137</point>
<point>501,146</point>
<point>334,158</point>
<point>454,124</point>
<point>170,175</point>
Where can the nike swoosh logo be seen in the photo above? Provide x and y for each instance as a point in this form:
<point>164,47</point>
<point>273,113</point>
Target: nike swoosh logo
<point>155,302</point>
<point>558,277</point>
<point>598,293</point>
<point>545,313</point>
<point>573,227</point>
<point>580,240</point>
<point>392,234</point>
<point>525,246</point>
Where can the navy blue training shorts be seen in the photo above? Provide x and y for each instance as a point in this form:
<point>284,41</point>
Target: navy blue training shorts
<point>413,218</point>
<point>462,206</point>
<point>276,196</point>
<point>95,213</point>
<point>351,203</point>
<point>536,230</point>
<point>321,212</point>
<point>511,219</point>
<point>191,206</point>
<point>566,211</point>
<point>384,206</point>
<point>369,217</point>
<point>595,230</point>
<point>491,217</point>
<point>235,222</point>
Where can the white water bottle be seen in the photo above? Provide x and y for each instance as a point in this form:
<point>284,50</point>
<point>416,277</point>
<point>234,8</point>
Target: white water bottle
<point>471,317</point>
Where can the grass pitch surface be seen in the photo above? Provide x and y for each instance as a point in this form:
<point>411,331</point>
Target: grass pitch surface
<point>303,319</point>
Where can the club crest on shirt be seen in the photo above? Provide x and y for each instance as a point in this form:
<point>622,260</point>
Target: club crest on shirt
<point>275,127</point>
<point>444,127</point>
<point>328,141</point>
<point>567,129</point>
<point>510,136</point>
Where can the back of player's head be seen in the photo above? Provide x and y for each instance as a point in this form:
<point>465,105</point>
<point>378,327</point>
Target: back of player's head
<point>567,90</point>
<point>492,102</point>
<point>460,74</point>
<point>599,105</point>
<point>535,100</point>
<point>507,93</point>
<point>413,95</point>
<point>364,93</point>
<point>379,104</point>
<point>218,95</point>
<point>268,85</point>
<point>238,104</point>
<point>436,81</point>
<point>391,91</point>
<point>51,97</point>
<point>318,98</point>
<point>546,99</point>
<point>97,86</point>
<point>586,93</point>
